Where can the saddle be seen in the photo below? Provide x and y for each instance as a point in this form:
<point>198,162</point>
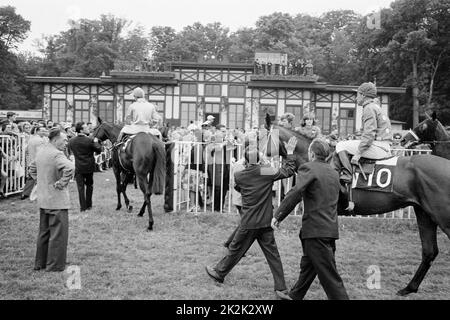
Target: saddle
<point>366,165</point>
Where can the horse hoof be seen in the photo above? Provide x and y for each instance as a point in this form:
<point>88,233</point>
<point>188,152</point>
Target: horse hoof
<point>406,291</point>
<point>130,209</point>
<point>118,208</point>
<point>140,214</point>
<point>149,229</point>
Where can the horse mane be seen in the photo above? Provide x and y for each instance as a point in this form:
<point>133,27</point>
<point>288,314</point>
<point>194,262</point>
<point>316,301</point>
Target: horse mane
<point>297,134</point>
<point>445,132</point>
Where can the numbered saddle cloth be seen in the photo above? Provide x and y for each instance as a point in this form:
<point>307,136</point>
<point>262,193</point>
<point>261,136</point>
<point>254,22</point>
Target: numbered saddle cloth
<point>381,177</point>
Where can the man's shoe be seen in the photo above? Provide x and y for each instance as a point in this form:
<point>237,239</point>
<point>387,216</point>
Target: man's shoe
<point>213,274</point>
<point>282,295</point>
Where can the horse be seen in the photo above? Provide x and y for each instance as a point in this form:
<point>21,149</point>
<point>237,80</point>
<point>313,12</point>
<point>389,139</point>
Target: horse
<point>430,131</point>
<point>145,157</point>
<point>421,181</point>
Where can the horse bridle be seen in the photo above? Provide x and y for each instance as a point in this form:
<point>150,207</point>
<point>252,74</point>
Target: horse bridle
<point>98,129</point>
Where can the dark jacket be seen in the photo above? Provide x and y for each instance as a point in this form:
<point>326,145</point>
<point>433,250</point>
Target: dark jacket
<point>255,185</point>
<point>83,149</point>
<point>318,184</point>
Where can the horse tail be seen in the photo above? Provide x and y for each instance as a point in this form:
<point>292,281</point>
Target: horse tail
<point>159,171</point>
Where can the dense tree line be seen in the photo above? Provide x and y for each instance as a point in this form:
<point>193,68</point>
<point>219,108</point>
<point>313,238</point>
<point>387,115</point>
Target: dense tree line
<point>411,48</point>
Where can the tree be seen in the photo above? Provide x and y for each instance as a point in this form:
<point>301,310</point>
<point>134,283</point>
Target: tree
<point>13,30</point>
<point>160,38</point>
<point>275,31</point>
<point>13,27</point>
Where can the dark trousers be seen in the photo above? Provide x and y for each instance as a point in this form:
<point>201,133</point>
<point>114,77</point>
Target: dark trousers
<point>29,185</point>
<point>85,184</point>
<point>242,241</point>
<point>318,260</point>
<point>52,240</point>
<point>231,237</point>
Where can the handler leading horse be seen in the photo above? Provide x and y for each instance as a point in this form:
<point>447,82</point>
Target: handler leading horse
<point>145,156</point>
<point>421,181</point>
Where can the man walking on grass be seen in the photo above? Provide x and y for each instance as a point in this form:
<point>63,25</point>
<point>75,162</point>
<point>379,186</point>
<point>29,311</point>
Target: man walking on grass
<point>255,184</point>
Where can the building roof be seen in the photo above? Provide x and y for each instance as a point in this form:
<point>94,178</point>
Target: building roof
<point>168,78</point>
<point>211,65</point>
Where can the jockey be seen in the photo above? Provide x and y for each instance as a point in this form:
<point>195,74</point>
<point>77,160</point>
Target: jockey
<point>376,138</point>
<point>141,115</point>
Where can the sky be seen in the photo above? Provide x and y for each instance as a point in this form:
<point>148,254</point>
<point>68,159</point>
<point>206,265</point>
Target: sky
<point>51,16</point>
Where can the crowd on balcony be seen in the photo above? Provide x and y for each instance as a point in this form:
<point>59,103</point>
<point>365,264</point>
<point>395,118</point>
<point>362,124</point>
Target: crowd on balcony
<point>299,67</point>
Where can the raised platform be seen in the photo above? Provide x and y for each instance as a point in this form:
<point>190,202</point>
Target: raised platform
<point>296,78</point>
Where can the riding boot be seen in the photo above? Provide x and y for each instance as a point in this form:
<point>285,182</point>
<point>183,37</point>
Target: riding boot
<point>342,165</point>
<point>345,174</point>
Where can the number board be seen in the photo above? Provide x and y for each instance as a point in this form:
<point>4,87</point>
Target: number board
<point>381,179</point>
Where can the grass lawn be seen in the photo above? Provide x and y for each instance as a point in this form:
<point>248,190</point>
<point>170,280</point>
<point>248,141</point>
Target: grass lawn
<point>118,259</point>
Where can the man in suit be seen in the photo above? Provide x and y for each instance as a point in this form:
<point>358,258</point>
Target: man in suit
<point>36,141</point>
<point>255,184</point>
<point>318,185</point>
<point>83,148</point>
<point>52,172</point>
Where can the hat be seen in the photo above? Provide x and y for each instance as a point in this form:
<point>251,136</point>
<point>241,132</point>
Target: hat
<point>138,93</point>
<point>367,89</point>
<point>10,114</point>
<point>210,117</point>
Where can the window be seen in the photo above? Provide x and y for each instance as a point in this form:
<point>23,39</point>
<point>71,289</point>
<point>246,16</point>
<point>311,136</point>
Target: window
<point>81,111</point>
<point>212,108</point>
<point>346,121</point>
<point>213,90</point>
<point>58,112</point>
<point>159,107</point>
<point>323,118</point>
<point>236,116</point>
<point>235,91</point>
<point>297,112</point>
<point>188,89</point>
<point>188,113</point>
<point>106,111</point>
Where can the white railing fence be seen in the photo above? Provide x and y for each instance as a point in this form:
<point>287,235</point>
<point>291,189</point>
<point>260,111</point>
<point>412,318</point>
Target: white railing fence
<point>14,166</point>
<point>203,178</point>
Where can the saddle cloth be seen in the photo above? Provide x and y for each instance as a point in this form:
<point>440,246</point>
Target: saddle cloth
<point>379,173</point>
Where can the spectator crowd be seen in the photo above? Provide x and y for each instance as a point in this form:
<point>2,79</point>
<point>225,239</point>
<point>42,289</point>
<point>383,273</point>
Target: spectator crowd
<point>32,135</point>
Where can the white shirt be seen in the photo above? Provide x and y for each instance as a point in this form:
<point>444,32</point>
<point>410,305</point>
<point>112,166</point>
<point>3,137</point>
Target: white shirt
<point>142,112</point>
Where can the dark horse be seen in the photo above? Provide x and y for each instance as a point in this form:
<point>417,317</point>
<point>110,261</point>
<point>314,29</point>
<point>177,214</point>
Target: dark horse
<point>432,132</point>
<point>421,181</point>
<point>144,156</point>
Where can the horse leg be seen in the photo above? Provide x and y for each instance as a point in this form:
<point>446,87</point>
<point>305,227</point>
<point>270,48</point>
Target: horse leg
<point>149,209</point>
<point>118,188</point>
<point>148,194</point>
<point>427,231</point>
<point>144,186</point>
<point>124,192</point>
<point>141,212</point>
